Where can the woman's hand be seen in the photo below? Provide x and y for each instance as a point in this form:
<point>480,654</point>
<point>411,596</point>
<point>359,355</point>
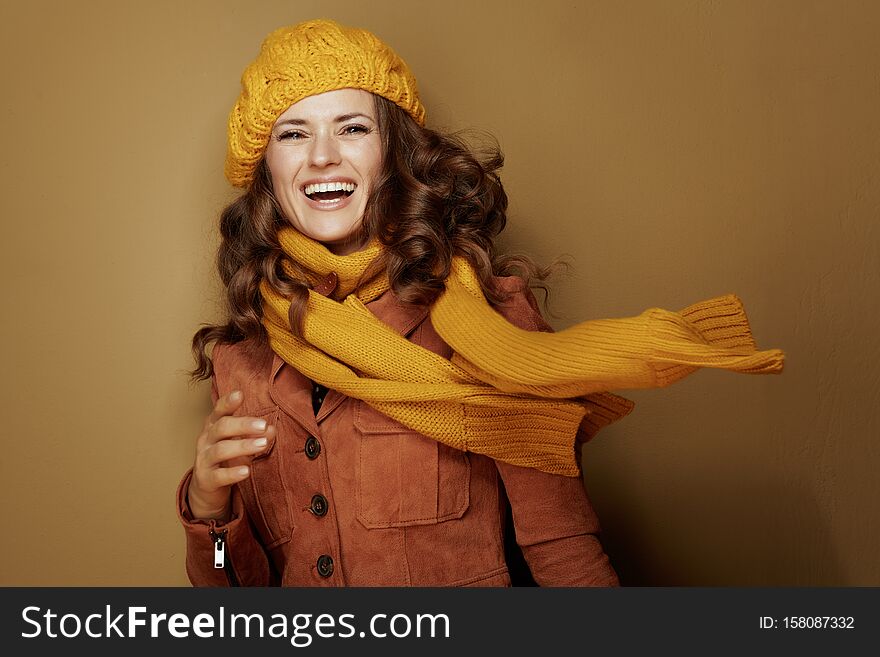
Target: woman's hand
<point>223,451</point>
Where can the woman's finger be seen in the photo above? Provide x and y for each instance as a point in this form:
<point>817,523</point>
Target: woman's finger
<point>222,477</point>
<point>209,488</point>
<point>230,426</point>
<point>226,450</point>
<point>226,405</point>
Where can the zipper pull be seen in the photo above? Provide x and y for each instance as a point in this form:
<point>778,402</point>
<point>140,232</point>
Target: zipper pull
<point>219,548</point>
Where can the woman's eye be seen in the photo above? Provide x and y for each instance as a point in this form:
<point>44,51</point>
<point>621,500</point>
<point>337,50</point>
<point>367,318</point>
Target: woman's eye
<point>290,134</point>
<point>355,130</point>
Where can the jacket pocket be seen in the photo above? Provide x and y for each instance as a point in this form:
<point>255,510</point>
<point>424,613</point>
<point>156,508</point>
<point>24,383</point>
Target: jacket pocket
<point>263,492</point>
<point>405,478</point>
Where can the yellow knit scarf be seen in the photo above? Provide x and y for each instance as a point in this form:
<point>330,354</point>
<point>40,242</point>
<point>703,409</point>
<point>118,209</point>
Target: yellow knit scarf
<point>517,396</point>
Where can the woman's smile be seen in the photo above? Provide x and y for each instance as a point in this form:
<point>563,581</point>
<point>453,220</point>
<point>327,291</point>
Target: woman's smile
<point>329,194</point>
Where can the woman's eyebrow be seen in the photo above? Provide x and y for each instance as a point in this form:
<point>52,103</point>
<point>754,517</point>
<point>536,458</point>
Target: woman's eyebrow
<point>354,115</point>
<point>339,119</point>
<point>291,122</point>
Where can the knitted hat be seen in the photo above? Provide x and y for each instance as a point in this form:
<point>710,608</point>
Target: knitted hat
<point>304,60</point>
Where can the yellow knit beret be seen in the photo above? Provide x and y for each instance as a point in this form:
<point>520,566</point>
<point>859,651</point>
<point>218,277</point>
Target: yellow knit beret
<point>304,60</point>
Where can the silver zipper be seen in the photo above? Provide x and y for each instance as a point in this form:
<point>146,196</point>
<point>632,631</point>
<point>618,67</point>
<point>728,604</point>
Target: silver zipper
<point>219,539</point>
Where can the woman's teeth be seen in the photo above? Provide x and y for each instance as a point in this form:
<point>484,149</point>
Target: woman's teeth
<point>328,191</point>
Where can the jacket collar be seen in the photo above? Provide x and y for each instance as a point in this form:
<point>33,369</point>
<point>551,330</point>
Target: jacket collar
<point>292,391</point>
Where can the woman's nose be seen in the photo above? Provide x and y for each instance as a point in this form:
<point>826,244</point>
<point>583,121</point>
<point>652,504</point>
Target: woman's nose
<point>325,151</point>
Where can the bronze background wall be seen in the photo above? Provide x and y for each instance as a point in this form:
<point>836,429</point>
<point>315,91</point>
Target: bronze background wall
<point>675,150</point>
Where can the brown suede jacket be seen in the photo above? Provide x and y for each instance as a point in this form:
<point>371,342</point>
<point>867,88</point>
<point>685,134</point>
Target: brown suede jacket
<point>353,498</point>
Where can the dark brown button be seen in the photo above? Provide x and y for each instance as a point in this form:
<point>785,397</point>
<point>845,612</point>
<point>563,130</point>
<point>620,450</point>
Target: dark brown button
<point>328,284</point>
<point>319,505</point>
<point>313,448</point>
<point>325,565</point>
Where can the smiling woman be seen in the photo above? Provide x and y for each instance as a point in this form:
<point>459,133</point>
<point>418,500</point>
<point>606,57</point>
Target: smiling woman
<point>390,408</point>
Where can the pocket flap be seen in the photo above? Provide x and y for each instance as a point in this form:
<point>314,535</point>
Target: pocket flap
<point>369,421</point>
<point>405,478</point>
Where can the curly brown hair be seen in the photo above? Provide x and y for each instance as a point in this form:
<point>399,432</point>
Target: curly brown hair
<point>435,197</point>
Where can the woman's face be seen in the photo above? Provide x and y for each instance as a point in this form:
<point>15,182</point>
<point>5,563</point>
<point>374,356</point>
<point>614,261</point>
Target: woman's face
<point>324,155</point>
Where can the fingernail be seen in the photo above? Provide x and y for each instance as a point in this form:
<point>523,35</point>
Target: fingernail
<point>259,425</point>
<point>242,471</point>
<point>235,395</point>
<point>260,442</point>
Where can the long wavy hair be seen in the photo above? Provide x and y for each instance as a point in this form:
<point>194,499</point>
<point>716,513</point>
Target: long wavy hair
<point>435,197</point>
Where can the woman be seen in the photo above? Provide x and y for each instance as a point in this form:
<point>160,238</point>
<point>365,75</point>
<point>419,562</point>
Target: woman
<point>385,401</point>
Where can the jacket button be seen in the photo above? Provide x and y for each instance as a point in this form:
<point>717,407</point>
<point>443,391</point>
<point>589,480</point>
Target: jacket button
<point>313,448</point>
<point>325,565</point>
<point>328,284</point>
<point>319,505</point>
